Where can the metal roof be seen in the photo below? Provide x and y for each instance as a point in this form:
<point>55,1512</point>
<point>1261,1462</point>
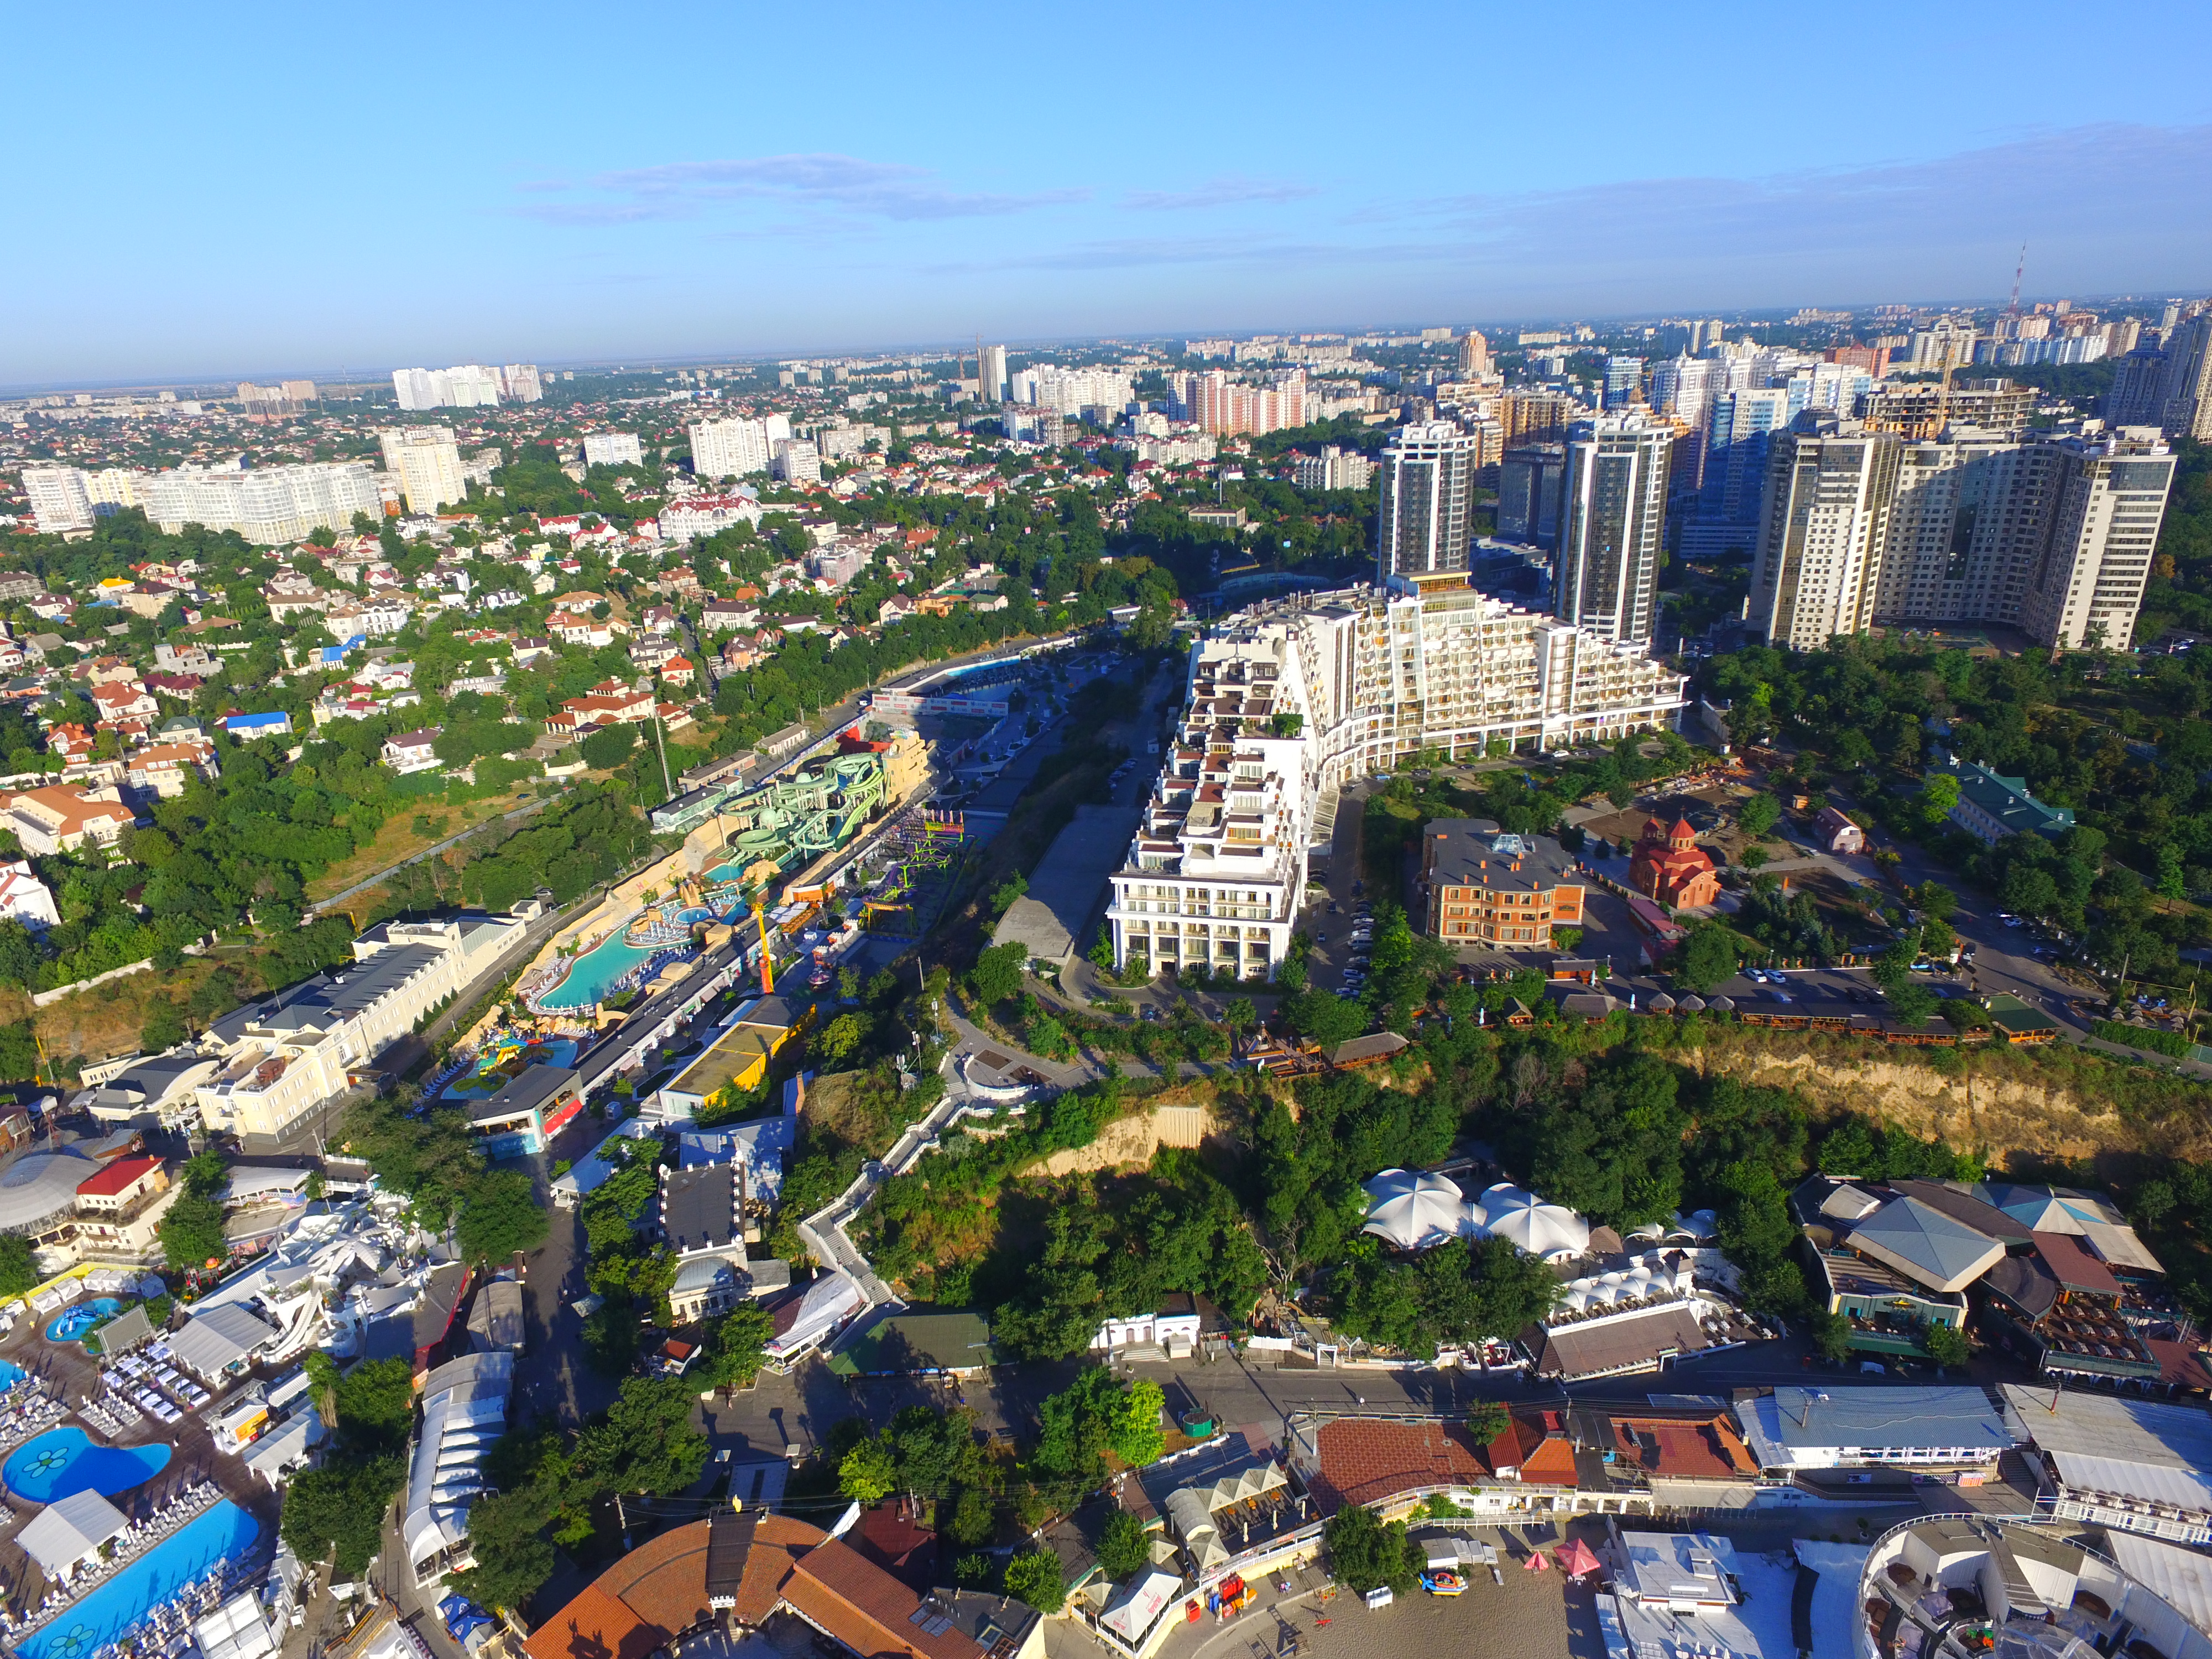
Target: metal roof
<point>2181,1579</point>
<point>2131,1447</point>
<point>1870,1419</point>
<point>1925,1244</point>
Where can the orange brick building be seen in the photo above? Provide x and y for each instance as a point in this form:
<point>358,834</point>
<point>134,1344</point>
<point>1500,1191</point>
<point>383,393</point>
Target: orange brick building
<point>1668,866</point>
<point>1487,887</point>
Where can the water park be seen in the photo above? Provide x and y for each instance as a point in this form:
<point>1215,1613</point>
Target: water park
<point>757,837</point>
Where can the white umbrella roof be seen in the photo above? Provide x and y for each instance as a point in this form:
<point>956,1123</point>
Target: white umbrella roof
<point>1414,1211</point>
<point>1540,1229</point>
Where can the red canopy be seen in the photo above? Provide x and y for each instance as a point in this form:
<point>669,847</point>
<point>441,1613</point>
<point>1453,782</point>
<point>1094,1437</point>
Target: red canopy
<point>1536,1563</point>
<point>1578,1558</point>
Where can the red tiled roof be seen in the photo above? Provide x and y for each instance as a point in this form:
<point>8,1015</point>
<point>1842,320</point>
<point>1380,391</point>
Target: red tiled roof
<point>117,1176</point>
<point>596,1626</point>
<point>835,1588</point>
<point>1363,1461</point>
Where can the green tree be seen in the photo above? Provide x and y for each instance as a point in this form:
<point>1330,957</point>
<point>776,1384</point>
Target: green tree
<point>1035,1576</point>
<point>867,1474</point>
<point>500,1218</point>
<point>323,1379</point>
<point>191,1232</point>
<point>376,1404</point>
<point>1910,1005</point>
<point>1365,1554</point>
<point>340,1508</point>
<point>1124,1546</point>
<point>739,1347</point>
<point>998,974</point>
<point>1759,815</point>
<point>1134,1429</point>
<point>1831,1335</point>
<point>608,747</point>
<point>1486,1421</point>
<point>646,1442</point>
<point>1946,1345</point>
<point>164,1026</point>
<point>1707,957</point>
<point>18,1268</point>
<point>1326,1018</point>
<point>514,1556</point>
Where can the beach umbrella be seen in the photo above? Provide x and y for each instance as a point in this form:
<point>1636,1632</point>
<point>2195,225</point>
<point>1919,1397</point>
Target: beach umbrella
<point>1576,1559</point>
<point>1536,1563</point>
<point>1538,1228</point>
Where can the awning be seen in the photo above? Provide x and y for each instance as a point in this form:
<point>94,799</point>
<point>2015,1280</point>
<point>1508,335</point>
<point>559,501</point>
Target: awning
<point>69,1529</point>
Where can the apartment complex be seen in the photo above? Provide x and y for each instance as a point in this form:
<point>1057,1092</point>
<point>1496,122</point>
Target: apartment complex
<point>1219,864</point>
<point>731,449</point>
<point>2054,535</point>
<point>466,385</point>
<point>1614,520</point>
<point>282,1055</point>
<point>1335,468</point>
<point>1222,406</point>
<point>265,505</point>
<point>425,462</point>
<point>612,449</point>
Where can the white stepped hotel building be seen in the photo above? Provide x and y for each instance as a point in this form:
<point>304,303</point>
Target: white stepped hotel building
<point>1289,701</point>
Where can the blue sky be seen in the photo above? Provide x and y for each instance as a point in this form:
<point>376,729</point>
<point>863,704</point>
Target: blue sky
<point>255,191</point>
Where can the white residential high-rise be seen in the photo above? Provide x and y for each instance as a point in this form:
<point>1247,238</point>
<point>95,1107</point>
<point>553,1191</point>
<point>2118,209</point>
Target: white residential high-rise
<point>612,449</point>
<point>2187,386</point>
<point>991,371</point>
<point>1421,527</point>
<point>1613,527</point>
<point>1216,872</point>
<point>58,499</point>
<point>1821,534</point>
<point>729,449</point>
<point>1335,468</point>
<point>426,462</point>
<point>520,383</point>
<point>466,385</point>
<point>2106,505</point>
<point>1965,529</point>
<point>266,506</point>
<point>1473,354</point>
<point>797,461</point>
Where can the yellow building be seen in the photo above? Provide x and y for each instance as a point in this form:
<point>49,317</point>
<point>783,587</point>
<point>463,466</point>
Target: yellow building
<point>737,1060</point>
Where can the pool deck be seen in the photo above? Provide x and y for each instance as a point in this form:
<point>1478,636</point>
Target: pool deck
<point>73,1375</point>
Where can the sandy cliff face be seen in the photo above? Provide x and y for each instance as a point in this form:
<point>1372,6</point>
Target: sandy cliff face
<point>2003,1113</point>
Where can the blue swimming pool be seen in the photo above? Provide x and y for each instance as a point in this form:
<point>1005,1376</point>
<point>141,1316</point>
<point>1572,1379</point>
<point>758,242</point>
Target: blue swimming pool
<point>75,1322</point>
<point>10,1374</point>
<point>225,1533</point>
<point>65,1461</point>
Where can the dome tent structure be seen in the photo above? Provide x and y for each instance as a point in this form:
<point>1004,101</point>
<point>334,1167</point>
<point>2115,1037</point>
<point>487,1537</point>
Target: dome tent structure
<point>1550,1230</point>
<point>1413,1210</point>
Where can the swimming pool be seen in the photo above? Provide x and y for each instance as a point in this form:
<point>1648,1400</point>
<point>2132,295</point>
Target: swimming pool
<point>65,1461</point>
<point>593,975</point>
<point>10,1374</point>
<point>75,1322</point>
<point>224,1532</point>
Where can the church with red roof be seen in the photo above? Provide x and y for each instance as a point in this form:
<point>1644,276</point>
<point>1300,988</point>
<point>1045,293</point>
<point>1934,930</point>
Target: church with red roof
<point>1668,866</point>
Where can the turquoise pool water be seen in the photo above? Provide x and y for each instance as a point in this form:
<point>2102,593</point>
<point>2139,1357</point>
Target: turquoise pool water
<point>75,1322</point>
<point>553,1051</point>
<point>10,1374</point>
<point>63,1461</point>
<point>596,972</point>
<point>224,1532</point>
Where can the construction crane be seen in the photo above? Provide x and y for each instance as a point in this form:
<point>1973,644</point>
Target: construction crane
<point>2017,271</point>
<point>768,957</point>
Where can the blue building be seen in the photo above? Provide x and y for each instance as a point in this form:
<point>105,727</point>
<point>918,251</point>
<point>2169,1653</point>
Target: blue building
<point>246,727</point>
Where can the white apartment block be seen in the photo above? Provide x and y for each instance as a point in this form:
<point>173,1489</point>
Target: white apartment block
<point>1821,534</point>
<point>266,506</point>
<point>58,499</point>
<point>797,461</point>
<point>521,383</point>
<point>1217,868</point>
<point>1965,531</point>
<point>1333,468</point>
<point>612,449</point>
<point>732,448</point>
<point>426,463</point>
<point>1072,391</point>
<point>2105,511</point>
<point>465,385</point>
<point>281,1056</point>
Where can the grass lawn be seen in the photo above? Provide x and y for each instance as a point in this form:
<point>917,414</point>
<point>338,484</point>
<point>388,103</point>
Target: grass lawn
<point>399,838</point>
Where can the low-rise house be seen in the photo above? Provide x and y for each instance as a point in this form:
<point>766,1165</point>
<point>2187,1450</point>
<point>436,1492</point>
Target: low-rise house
<point>62,817</point>
<point>1493,890</point>
<point>608,703</point>
<point>1992,806</point>
<point>678,671</point>
<point>412,751</point>
<point>168,769</point>
<point>118,700</point>
<point>1835,833</point>
<point>1893,1263</point>
<point>246,727</point>
<point>25,898</point>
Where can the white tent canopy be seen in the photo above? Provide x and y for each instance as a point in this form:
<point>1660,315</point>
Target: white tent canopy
<point>70,1529</point>
<point>1415,1211</point>
<point>1141,1603</point>
<point>1551,1230</point>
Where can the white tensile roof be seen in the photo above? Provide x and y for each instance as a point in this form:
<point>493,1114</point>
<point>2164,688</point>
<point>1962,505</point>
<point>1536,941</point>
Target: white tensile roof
<point>1414,1211</point>
<point>1538,1228</point>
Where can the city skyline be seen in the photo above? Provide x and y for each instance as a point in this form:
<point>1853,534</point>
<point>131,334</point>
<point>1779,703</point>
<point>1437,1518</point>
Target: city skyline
<point>326,203</point>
